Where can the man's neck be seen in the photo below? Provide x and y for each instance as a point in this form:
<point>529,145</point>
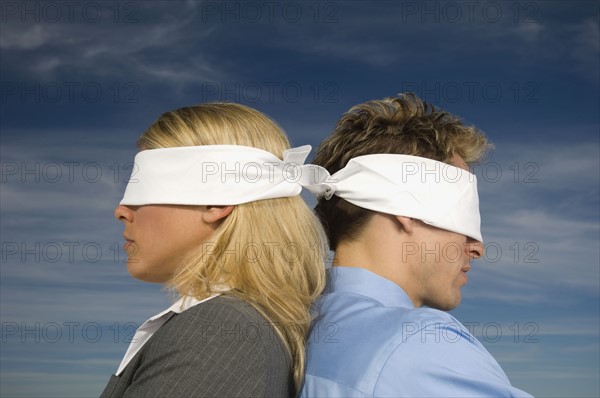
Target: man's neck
<point>378,249</point>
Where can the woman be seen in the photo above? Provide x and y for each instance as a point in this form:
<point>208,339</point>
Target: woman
<point>212,213</point>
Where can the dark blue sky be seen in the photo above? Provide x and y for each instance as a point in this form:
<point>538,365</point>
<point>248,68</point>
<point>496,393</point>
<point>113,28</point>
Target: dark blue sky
<point>80,82</point>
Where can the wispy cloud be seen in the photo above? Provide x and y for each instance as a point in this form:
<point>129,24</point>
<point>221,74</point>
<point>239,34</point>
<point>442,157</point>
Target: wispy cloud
<point>155,49</point>
<point>368,50</point>
<point>585,50</point>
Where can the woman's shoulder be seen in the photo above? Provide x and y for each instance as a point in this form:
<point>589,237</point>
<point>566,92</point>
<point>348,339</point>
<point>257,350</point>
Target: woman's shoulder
<point>197,351</point>
<point>226,309</point>
<point>226,320</point>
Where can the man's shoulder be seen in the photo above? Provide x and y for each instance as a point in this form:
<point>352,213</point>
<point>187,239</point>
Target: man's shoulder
<point>353,308</point>
<point>352,338</point>
<point>367,349</point>
<point>367,325</point>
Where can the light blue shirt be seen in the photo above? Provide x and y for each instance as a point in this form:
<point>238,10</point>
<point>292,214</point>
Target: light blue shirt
<point>369,340</point>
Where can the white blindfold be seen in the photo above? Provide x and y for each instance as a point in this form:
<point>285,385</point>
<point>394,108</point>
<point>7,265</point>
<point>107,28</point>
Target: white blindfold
<point>213,175</point>
<point>436,193</point>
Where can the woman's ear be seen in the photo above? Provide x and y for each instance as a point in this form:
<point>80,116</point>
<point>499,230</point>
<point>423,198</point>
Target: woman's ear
<point>407,223</point>
<point>212,214</point>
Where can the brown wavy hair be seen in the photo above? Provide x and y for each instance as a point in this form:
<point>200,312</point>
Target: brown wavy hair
<point>402,125</point>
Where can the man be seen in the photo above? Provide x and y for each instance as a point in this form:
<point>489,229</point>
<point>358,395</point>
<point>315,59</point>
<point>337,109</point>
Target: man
<point>402,214</point>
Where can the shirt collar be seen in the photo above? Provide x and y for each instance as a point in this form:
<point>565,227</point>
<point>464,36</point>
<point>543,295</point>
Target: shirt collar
<point>148,328</point>
<point>187,302</point>
<point>366,283</point>
<point>181,305</point>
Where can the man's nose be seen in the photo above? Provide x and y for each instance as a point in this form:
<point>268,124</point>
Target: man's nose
<point>475,248</point>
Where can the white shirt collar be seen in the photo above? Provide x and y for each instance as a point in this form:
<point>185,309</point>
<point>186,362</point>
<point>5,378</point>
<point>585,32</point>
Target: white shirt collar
<point>180,305</point>
<point>148,328</point>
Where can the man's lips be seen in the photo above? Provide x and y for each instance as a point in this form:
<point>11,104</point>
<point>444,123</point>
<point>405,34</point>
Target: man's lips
<point>128,242</point>
<point>464,271</point>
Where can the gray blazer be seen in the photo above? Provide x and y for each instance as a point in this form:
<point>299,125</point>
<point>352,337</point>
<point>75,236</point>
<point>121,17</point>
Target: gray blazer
<point>220,348</point>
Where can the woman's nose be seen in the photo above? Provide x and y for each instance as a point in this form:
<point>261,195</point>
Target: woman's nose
<point>123,213</point>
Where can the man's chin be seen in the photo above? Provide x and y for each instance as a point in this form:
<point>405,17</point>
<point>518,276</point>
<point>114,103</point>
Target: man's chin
<point>444,305</point>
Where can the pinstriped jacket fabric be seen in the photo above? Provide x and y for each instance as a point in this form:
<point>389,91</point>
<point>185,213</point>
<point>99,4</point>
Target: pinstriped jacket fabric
<point>220,348</point>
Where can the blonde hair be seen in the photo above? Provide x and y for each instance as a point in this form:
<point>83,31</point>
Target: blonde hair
<point>403,125</point>
<point>269,252</point>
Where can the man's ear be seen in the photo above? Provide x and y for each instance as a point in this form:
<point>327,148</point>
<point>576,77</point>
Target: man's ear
<point>407,223</point>
<point>212,214</point>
